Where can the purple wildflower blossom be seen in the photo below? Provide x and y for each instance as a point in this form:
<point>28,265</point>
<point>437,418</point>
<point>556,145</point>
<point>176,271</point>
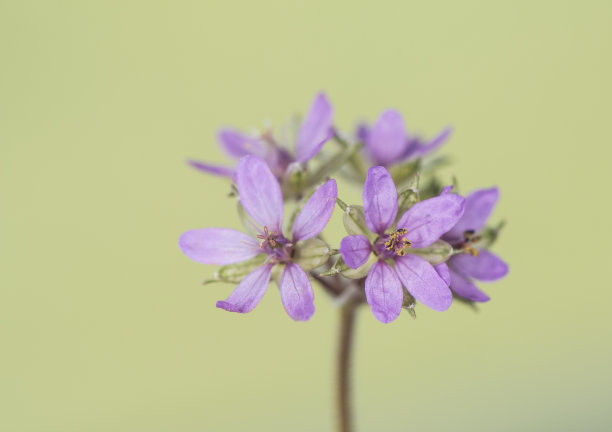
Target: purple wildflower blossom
<point>419,227</point>
<point>387,142</point>
<point>476,263</point>
<point>314,131</point>
<point>260,195</point>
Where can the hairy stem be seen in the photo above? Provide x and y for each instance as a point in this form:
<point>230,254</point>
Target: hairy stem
<point>347,327</point>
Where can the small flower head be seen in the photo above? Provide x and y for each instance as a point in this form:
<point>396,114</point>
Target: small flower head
<point>387,142</point>
<point>314,131</point>
<point>260,195</point>
<point>475,262</point>
<point>419,227</point>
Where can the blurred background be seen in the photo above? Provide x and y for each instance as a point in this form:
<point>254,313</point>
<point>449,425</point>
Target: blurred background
<point>105,325</point>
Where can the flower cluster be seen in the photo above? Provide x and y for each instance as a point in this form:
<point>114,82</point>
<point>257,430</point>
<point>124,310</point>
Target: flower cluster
<point>411,241</point>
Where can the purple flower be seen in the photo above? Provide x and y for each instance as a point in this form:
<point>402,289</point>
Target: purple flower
<point>479,264</point>
<point>314,131</point>
<point>419,227</point>
<point>387,142</point>
<point>260,195</point>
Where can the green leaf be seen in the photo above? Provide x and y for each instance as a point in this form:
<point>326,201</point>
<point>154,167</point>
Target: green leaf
<point>234,273</point>
<point>435,254</point>
<point>311,253</point>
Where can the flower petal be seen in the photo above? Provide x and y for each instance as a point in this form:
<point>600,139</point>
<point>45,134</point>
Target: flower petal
<point>479,205</point>
<point>379,199</point>
<point>316,213</point>
<point>218,246</point>
<point>427,220</point>
<point>217,170</point>
<point>423,282</point>
<point>485,267</point>
<point>249,292</point>
<point>260,193</point>
<point>424,149</point>
<point>355,250</point>
<point>443,272</point>
<point>315,130</point>
<point>236,144</point>
<point>384,292</point>
<point>296,293</point>
<point>464,287</point>
<point>387,140</point>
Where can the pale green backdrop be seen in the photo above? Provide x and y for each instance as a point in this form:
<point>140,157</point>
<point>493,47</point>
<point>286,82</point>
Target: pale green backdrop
<point>104,323</point>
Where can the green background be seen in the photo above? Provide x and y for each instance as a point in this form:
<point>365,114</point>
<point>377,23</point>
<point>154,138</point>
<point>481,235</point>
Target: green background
<point>104,323</point>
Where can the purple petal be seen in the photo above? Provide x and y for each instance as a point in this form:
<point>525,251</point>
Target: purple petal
<point>316,213</point>
<point>424,149</point>
<point>479,205</point>
<point>387,140</point>
<point>260,193</point>
<point>296,293</point>
<point>249,292</point>
<point>218,246</point>
<point>427,220</point>
<point>423,282</point>
<point>379,199</point>
<point>465,288</point>
<point>236,144</point>
<point>443,272</point>
<point>355,250</point>
<point>485,267</point>
<point>384,292</point>
<point>217,170</point>
<point>315,130</point>
<point>362,132</point>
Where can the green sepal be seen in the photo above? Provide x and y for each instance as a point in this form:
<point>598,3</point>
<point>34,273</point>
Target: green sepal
<point>408,304</point>
<point>435,254</point>
<point>489,235</point>
<point>408,197</point>
<point>245,219</point>
<point>311,253</point>
<point>234,273</point>
<point>340,268</point>
<point>405,171</point>
<point>355,223</point>
<point>334,163</point>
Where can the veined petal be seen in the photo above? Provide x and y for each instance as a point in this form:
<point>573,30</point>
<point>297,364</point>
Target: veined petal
<point>249,292</point>
<point>315,130</point>
<point>260,193</point>
<point>464,287</point>
<point>485,267</point>
<point>316,213</point>
<point>236,144</point>
<point>427,220</point>
<point>379,199</point>
<point>218,246</point>
<point>387,140</point>
<point>424,149</point>
<point>384,292</point>
<point>355,250</point>
<point>296,293</point>
<point>423,282</point>
<point>443,272</point>
<point>217,170</point>
<point>479,205</point>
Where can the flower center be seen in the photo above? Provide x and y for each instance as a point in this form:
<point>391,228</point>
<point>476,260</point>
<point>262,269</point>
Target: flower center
<point>396,243</point>
<point>469,239</point>
<point>269,239</point>
<point>278,248</point>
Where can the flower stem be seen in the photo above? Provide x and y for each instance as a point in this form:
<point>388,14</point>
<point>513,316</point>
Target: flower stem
<point>347,326</point>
